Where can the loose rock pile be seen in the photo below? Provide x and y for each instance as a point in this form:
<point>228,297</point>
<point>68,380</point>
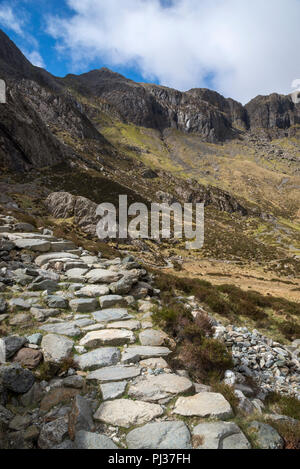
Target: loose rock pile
<point>86,321</point>
<point>273,366</point>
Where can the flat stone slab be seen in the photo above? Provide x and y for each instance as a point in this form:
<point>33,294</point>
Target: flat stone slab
<point>99,358</point>
<point>107,337</point>
<point>115,373</point>
<point>137,352</point>
<point>37,245</point>
<point>84,305</point>
<point>220,435</point>
<point>125,413</point>
<point>154,363</point>
<point>18,304</point>
<point>56,348</point>
<point>90,259</point>
<point>112,391</point>
<point>155,388</point>
<point>205,404</point>
<point>111,314</point>
<point>152,337</point>
<point>162,435</point>
<point>130,325</point>
<point>110,300</point>
<point>42,314</point>
<point>88,440</point>
<point>102,276</point>
<point>63,328</point>
<point>76,274</point>
<point>45,258</point>
<point>59,246</point>
<point>92,291</point>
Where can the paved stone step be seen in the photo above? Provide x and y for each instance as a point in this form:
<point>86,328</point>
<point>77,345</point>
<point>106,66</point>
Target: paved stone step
<point>14,236</point>
<point>153,337</point>
<point>76,274</point>
<point>38,245</point>
<point>205,405</point>
<point>56,348</point>
<point>220,435</point>
<point>84,305</point>
<point>102,276</point>
<point>111,314</point>
<point>92,291</point>
<point>59,256</point>
<point>99,358</point>
<point>161,435</point>
<point>115,373</point>
<point>107,337</point>
<point>132,325</point>
<point>163,386</point>
<point>137,352</point>
<point>125,413</point>
<point>112,391</point>
<point>62,246</point>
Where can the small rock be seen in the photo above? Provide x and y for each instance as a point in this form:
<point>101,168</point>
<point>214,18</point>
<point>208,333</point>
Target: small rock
<point>81,417</point>
<point>266,436</point>
<point>16,379</point>
<point>28,358</point>
<point>53,433</point>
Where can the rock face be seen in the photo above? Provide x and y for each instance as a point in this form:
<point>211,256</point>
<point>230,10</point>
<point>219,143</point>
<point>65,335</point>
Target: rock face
<point>164,435</point>
<point>65,205</point>
<point>125,413</point>
<point>273,112</point>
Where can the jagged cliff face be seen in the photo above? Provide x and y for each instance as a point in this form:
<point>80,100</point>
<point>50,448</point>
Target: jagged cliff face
<point>274,111</point>
<point>200,111</point>
<point>98,135</point>
<point>39,102</point>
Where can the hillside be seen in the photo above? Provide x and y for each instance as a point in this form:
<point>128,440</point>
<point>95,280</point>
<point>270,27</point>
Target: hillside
<point>142,343</point>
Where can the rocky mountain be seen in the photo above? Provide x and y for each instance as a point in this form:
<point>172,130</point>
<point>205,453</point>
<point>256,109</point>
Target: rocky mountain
<point>111,344</point>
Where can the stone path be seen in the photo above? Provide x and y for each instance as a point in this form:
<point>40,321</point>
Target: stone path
<point>80,315</point>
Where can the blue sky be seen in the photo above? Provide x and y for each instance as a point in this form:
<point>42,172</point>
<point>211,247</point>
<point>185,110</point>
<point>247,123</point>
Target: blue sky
<point>236,47</point>
<point>34,14</point>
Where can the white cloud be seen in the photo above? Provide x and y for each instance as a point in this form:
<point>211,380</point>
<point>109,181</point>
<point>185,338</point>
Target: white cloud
<point>250,47</point>
<point>35,58</point>
<point>9,20</point>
